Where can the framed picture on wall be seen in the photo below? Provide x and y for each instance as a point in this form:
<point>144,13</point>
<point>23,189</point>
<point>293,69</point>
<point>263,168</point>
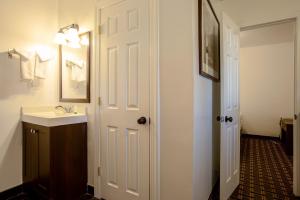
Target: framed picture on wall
<point>209,41</point>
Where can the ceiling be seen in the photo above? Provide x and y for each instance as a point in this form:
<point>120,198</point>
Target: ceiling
<point>273,34</point>
<point>251,12</point>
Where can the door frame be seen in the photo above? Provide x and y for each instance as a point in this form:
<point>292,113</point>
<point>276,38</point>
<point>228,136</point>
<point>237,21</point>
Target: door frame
<point>296,123</point>
<point>154,129</point>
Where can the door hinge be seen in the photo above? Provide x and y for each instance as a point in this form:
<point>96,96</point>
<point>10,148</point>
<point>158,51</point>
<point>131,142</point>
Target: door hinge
<point>99,29</point>
<point>99,171</point>
<point>99,101</point>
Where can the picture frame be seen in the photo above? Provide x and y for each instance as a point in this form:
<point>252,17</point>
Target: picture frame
<point>209,41</point>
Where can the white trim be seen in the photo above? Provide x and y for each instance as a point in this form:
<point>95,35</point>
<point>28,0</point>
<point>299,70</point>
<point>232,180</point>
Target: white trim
<point>154,98</point>
<point>256,26</point>
<point>154,101</point>
<point>97,178</point>
<point>296,142</point>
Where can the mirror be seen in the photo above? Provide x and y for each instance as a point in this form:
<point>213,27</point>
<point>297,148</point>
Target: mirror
<point>75,70</point>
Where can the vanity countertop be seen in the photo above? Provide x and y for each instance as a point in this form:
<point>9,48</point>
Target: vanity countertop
<point>50,117</point>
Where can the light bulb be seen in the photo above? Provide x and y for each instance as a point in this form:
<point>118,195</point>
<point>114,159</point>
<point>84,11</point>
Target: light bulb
<point>60,38</point>
<point>74,45</point>
<point>84,41</point>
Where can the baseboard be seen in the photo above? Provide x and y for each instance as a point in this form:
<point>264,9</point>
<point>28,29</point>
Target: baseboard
<point>19,190</point>
<point>259,136</point>
<point>215,193</point>
<point>90,190</point>
<point>12,192</point>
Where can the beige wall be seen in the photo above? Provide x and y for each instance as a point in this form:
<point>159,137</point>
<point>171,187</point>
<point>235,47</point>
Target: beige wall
<point>176,87</point>
<point>267,87</point>
<point>24,24</point>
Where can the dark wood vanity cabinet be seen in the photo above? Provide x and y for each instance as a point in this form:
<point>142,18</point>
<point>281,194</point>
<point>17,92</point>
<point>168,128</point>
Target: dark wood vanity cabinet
<point>55,161</point>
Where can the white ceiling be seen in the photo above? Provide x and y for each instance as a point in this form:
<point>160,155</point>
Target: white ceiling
<point>274,34</point>
<point>251,12</point>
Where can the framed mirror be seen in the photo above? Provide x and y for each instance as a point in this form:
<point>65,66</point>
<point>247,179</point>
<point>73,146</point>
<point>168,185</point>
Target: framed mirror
<point>74,61</point>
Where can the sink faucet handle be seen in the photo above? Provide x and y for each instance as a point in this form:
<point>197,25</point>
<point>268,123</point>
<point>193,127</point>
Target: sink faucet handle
<point>60,107</point>
<point>67,109</point>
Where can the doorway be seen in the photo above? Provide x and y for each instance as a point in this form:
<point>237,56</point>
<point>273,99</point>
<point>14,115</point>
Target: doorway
<point>267,107</point>
<point>267,68</point>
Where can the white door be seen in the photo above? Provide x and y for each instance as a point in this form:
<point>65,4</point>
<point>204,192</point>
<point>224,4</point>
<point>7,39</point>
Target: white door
<point>230,108</point>
<point>124,85</point>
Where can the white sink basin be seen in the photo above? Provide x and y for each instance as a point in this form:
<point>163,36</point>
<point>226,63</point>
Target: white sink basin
<point>49,116</point>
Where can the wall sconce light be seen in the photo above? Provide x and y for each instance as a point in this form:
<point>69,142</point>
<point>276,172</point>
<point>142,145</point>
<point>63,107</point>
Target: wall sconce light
<point>68,35</point>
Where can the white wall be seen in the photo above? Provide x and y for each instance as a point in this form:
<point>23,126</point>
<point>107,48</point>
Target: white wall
<point>206,128</point>
<point>83,13</point>
<point>267,83</point>
<point>267,78</point>
<point>24,24</point>
<point>187,151</point>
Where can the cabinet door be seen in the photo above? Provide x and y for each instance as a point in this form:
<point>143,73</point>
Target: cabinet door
<point>43,159</point>
<point>30,155</point>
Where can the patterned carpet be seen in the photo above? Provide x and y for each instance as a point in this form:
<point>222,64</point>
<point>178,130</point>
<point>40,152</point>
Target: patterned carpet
<point>266,171</point>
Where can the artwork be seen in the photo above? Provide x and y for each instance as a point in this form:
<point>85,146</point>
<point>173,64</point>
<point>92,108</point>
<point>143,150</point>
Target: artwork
<point>209,41</point>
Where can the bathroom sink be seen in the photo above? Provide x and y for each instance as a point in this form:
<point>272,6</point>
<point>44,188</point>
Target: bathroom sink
<point>49,116</point>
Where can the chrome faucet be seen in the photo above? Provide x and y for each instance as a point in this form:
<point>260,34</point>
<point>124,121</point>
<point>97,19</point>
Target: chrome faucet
<point>66,109</point>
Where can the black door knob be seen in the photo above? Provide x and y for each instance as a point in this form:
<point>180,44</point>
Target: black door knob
<point>228,119</point>
<point>142,120</point>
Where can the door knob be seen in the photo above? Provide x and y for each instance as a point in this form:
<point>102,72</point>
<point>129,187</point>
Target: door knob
<point>142,120</point>
<point>228,119</point>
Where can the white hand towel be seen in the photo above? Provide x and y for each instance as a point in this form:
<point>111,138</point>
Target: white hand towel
<point>41,69</point>
<point>75,73</point>
<point>27,64</point>
<point>44,56</point>
<point>78,74</point>
<point>82,75</point>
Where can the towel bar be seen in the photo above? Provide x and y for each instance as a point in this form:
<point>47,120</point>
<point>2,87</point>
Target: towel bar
<point>11,52</point>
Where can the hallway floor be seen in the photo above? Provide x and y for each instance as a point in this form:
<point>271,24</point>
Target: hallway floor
<point>266,171</point>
